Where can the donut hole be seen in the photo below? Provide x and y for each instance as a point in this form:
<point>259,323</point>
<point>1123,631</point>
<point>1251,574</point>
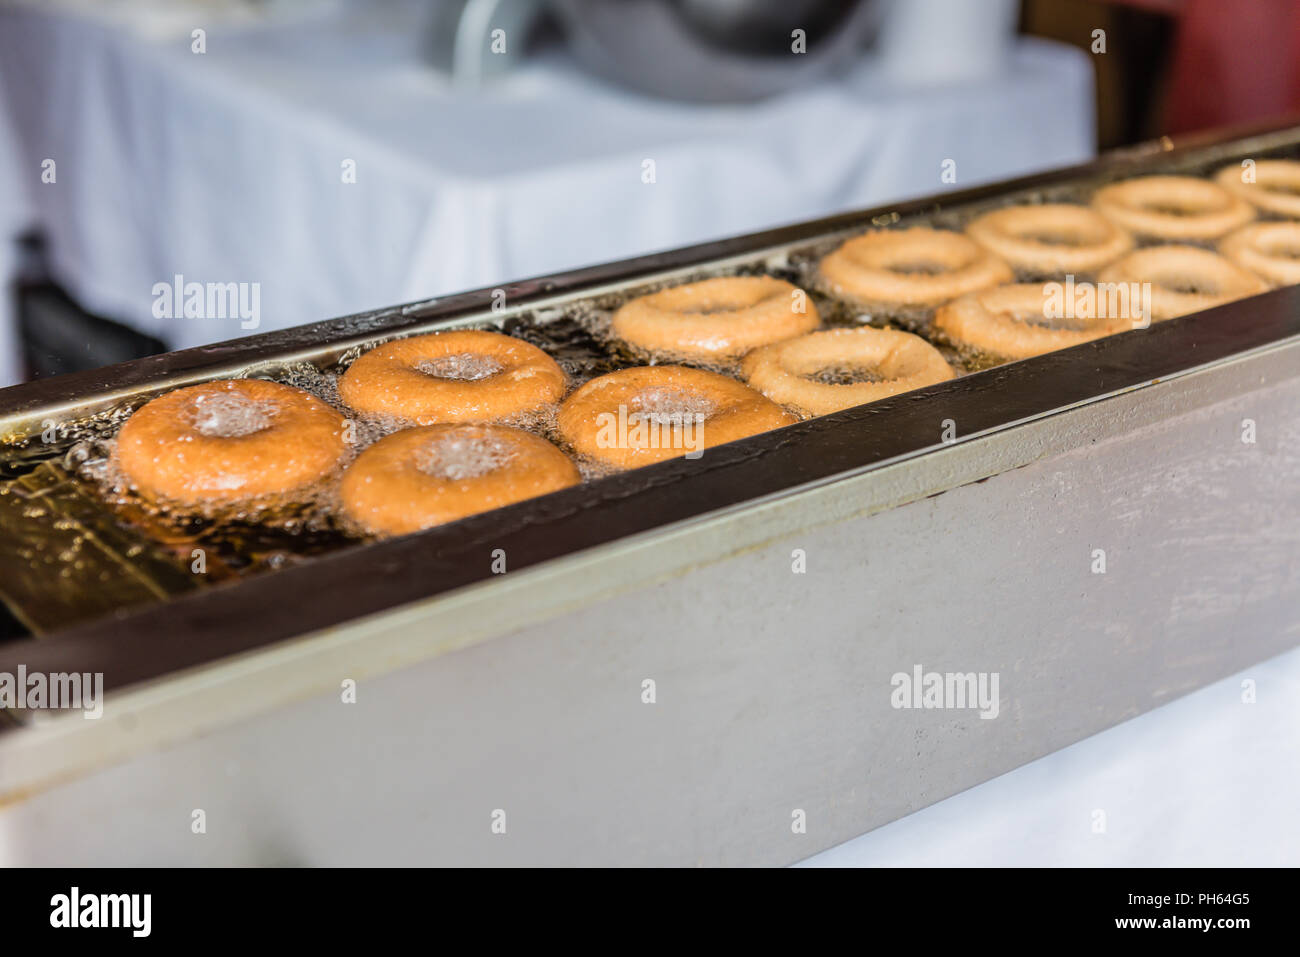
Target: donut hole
<point>842,369</point>
<point>230,415</point>
<point>714,304</point>
<point>1030,305</point>
<point>460,366</point>
<point>1041,321</point>
<point>1283,249</point>
<point>462,456</point>
<point>1073,235</point>
<point>717,296</point>
<point>1187,285</point>
<point>1164,208</point>
<point>918,267</point>
<point>1050,238</point>
<point>842,374</point>
<point>1179,203</point>
<point>669,407</point>
<point>1176,197</point>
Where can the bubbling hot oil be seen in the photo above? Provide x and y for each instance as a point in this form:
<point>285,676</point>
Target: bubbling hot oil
<point>457,458</point>
<point>265,532</point>
<point>276,530</point>
<point>230,415</point>
<point>462,366</point>
<point>671,407</point>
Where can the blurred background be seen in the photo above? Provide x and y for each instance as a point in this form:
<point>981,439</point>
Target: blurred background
<point>340,156</point>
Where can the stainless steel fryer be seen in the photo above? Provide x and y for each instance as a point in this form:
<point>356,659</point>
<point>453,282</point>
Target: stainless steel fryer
<point>693,662</point>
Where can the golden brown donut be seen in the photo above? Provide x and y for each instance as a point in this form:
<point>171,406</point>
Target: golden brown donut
<point>1276,186</point>
<point>1051,238</point>
<point>650,413</point>
<point>715,319</point>
<point>421,477</point>
<point>902,361</point>
<point>1269,250</point>
<point>1019,321</point>
<point>1184,279</point>
<point>230,441</point>
<point>463,375</point>
<point>1173,207</point>
<point>911,267</point>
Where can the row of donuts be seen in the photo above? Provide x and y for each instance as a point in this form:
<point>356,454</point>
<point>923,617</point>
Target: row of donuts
<point>977,306</point>
<point>228,442</point>
<point>255,443</point>
<point>967,282</point>
<point>240,440</point>
<point>457,392</point>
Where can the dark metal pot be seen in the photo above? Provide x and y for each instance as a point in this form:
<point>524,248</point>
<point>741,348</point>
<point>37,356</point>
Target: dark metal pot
<point>716,50</point>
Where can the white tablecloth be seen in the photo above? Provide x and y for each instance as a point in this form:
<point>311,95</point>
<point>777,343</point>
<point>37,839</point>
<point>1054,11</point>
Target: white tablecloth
<point>226,166</point>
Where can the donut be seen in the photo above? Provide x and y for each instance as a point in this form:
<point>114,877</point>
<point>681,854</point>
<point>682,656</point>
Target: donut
<point>1276,188</point>
<point>463,375</point>
<point>1018,321</point>
<point>1051,238</point>
<point>650,413</point>
<point>1173,207</point>
<point>900,362</point>
<point>1183,279</point>
<point>426,476</point>
<point>911,267</point>
<point>715,319</point>
<point>1269,250</point>
<point>229,441</point>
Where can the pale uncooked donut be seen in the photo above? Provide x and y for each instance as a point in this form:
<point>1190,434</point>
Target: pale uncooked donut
<point>1173,207</point>
<point>1014,322</point>
<point>716,319</point>
<point>881,267</point>
<point>1053,238</point>
<point>903,362</point>
<point>1269,250</point>
<point>1184,279</point>
<point>1276,186</point>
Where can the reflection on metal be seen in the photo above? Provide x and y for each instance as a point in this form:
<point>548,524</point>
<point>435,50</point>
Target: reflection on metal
<point>706,50</point>
<point>67,558</point>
